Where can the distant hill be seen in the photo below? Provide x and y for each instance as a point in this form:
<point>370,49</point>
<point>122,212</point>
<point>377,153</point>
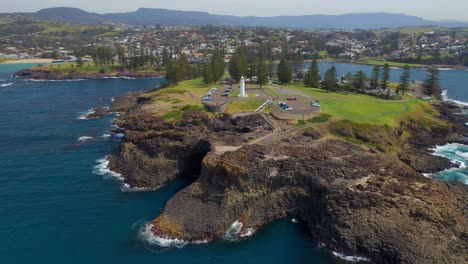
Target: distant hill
<point>149,16</point>
<point>68,15</point>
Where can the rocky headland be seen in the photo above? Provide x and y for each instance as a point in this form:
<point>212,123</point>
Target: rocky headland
<point>358,188</point>
<point>49,74</point>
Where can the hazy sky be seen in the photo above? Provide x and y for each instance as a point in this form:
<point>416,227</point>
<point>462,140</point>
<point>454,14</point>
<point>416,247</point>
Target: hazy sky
<point>429,9</point>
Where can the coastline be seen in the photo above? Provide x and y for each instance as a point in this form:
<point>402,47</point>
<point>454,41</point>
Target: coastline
<point>151,146</point>
<point>50,75</point>
<point>452,67</point>
<point>24,61</point>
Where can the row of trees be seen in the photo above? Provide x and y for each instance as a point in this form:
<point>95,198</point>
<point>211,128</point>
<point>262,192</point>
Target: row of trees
<point>243,63</point>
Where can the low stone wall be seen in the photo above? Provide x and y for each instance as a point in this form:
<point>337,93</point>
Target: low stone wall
<point>283,115</point>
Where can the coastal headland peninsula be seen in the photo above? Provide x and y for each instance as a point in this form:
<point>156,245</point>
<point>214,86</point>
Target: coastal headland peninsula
<point>354,175</point>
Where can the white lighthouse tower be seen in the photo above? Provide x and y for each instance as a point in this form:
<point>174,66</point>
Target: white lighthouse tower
<point>242,88</point>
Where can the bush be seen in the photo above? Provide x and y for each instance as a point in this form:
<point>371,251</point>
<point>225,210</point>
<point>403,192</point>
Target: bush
<point>321,118</point>
<point>102,70</point>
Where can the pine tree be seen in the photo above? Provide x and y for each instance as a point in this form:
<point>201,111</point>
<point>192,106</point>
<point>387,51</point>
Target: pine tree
<point>404,80</point>
<point>385,76</point>
<point>313,75</point>
<point>217,66</point>
<point>431,85</point>
<point>207,73</point>
<point>237,66</point>
<point>252,67</point>
<point>359,81</point>
<point>330,82</point>
<point>284,72</point>
<point>374,84</point>
<point>262,74</point>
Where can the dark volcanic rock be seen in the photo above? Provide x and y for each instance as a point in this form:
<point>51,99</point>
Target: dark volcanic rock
<point>357,200</point>
<point>98,113</point>
<point>154,151</point>
<point>352,200</point>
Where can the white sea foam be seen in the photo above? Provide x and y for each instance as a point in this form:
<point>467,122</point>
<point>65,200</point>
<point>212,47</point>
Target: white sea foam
<point>5,84</point>
<point>127,188</point>
<point>294,220</point>
<point>247,233</point>
<point>350,258</point>
<point>84,138</point>
<point>38,80</point>
<point>119,135</point>
<point>102,168</point>
<point>84,116</point>
<point>106,135</point>
<point>146,234</point>
<point>453,148</point>
<point>234,231</point>
<point>446,98</point>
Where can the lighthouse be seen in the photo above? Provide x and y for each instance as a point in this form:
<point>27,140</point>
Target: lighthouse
<point>242,88</point>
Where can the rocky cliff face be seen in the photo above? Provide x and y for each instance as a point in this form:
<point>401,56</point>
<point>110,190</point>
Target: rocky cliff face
<point>354,201</point>
<point>359,200</point>
<point>154,151</point>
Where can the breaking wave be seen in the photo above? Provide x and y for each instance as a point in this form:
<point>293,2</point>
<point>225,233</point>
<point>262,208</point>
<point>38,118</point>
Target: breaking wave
<point>84,116</point>
<point>457,154</point>
<point>446,98</point>
<point>5,84</point>
<point>127,188</point>
<point>148,236</point>
<point>234,231</point>
<point>84,138</point>
<point>102,168</point>
<point>350,258</point>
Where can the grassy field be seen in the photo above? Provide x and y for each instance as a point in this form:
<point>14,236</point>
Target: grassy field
<point>373,61</point>
<point>172,102</point>
<point>244,106</point>
<point>366,109</point>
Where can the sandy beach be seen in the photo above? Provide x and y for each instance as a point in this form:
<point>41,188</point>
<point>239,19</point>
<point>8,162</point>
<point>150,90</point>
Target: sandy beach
<point>26,61</point>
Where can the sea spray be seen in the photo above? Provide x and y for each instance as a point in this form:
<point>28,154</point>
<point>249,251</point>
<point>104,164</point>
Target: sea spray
<point>84,116</point>
<point>102,169</point>
<point>350,258</point>
<point>457,154</point>
<point>234,231</point>
<point>146,234</point>
<point>84,138</point>
<point>6,84</point>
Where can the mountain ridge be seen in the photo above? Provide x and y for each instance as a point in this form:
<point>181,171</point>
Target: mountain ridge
<point>157,16</point>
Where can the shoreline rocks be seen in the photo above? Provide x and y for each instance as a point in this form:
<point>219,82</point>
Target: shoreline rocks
<point>355,199</point>
<point>47,74</point>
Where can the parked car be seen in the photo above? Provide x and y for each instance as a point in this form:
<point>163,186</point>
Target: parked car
<point>291,99</point>
<point>315,104</point>
<point>225,94</point>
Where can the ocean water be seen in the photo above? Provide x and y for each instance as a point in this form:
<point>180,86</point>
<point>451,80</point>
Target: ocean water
<point>60,205</point>
<point>54,209</point>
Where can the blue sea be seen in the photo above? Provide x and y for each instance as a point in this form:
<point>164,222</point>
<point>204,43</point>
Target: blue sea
<point>59,205</point>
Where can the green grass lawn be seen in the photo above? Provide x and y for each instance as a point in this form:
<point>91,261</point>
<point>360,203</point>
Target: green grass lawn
<point>244,106</point>
<point>367,109</point>
<point>377,62</point>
